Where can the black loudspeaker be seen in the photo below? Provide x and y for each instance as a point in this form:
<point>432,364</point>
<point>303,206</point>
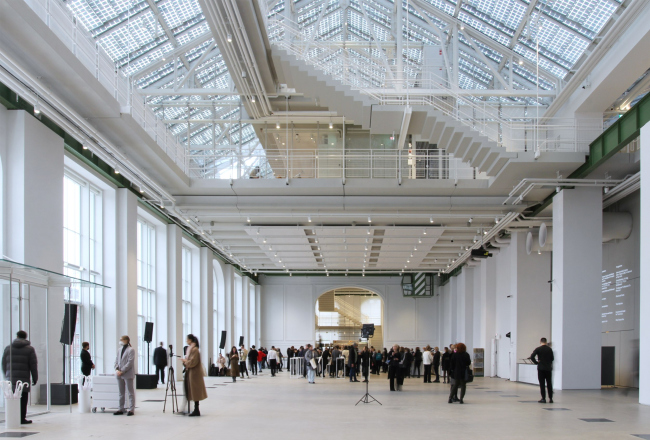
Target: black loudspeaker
<point>148,331</point>
<point>69,324</point>
<point>241,341</point>
<point>222,344</point>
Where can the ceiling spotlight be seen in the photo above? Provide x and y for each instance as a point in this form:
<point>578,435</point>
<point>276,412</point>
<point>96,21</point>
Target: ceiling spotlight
<point>316,240</point>
<point>277,125</point>
<point>470,220</point>
<point>331,126</point>
<point>309,219</point>
<point>141,190</point>
<point>365,248</point>
<point>229,38</point>
<point>290,274</point>
<point>424,232</point>
<point>270,248</point>
<point>462,27</point>
<point>161,205</point>
<point>415,248</point>
<point>435,260</point>
<point>484,232</point>
<point>521,61</point>
<point>253,99</point>
<point>84,146</point>
<point>37,108</point>
<point>430,219</point>
<point>264,241</point>
<point>408,261</point>
<point>188,219</point>
<point>276,254</point>
<point>419,240</point>
<point>280,261</point>
<point>539,252</point>
<point>116,171</point>
<point>496,220</point>
<point>328,274</point>
<point>363,274</point>
<point>369,219</point>
<point>368,232</point>
<point>411,254</point>
<point>248,219</point>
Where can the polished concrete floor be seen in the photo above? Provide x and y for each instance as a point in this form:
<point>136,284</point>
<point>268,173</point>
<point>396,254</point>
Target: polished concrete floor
<point>280,407</point>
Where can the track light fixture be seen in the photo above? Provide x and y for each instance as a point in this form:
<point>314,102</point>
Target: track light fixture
<point>253,99</point>
<point>37,108</point>
<point>229,38</point>
<point>309,219</point>
<point>277,125</point>
<point>430,219</point>
<point>424,232</point>
<point>369,219</point>
<point>470,220</point>
<point>248,219</point>
<point>84,146</point>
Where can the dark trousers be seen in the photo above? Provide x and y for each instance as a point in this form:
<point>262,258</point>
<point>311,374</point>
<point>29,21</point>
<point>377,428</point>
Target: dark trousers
<point>458,383</point>
<point>253,366</point>
<point>545,378</point>
<point>427,373</point>
<point>416,367</point>
<point>436,368</point>
<point>160,374</point>
<point>392,374</point>
<point>274,365</point>
<point>353,373</point>
<point>242,369</point>
<point>401,374</point>
<point>24,399</point>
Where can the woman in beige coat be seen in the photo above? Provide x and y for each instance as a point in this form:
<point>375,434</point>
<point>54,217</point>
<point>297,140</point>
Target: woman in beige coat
<point>194,382</point>
<point>233,356</point>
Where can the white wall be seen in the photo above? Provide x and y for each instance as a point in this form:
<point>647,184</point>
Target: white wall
<point>288,310</point>
<point>625,253</point>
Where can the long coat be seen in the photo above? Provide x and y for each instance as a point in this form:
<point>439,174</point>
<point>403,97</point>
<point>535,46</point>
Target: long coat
<point>23,363</point>
<point>195,386</point>
<point>234,365</point>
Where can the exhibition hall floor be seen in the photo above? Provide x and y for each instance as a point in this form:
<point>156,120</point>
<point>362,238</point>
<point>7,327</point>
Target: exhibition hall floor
<point>280,407</point>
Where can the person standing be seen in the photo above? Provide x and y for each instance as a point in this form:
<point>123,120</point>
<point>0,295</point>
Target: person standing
<point>460,362</point>
<point>194,382</point>
<point>19,363</point>
<point>243,355</point>
<point>233,357</point>
<point>445,363</point>
<point>125,373</point>
<point>273,360</point>
<point>353,362</point>
<point>543,358</point>
<point>334,369</point>
<point>260,358</point>
<point>364,360</point>
<point>87,365</point>
<point>252,360</point>
<point>436,364</point>
<point>309,356</point>
<point>417,361</point>
<point>394,359</point>
<point>427,360</point>
<point>160,361</point>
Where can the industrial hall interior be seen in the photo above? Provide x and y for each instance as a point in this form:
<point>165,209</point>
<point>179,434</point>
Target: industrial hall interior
<point>430,209</point>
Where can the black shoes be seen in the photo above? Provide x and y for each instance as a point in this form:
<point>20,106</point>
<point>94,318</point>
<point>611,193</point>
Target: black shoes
<point>542,401</point>
<point>118,413</point>
<point>130,413</point>
<point>25,422</point>
<point>461,401</point>
<point>435,381</point>
<point>195,413</point>
<point>450,401</point>
<point>550,400</point>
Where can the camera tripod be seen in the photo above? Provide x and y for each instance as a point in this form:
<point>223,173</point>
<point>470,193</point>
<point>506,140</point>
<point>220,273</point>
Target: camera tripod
<point>171,388</point>
<point>367,397</point>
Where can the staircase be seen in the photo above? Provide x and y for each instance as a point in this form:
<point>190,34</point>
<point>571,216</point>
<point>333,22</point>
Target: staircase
<point>427,123</point>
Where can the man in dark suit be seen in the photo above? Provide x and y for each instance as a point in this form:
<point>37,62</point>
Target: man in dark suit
<point>160,361</point>
<point>353,363</point>
<point>543,358</point>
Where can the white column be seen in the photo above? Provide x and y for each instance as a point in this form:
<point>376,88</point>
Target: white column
<point>258,315</point>
<point>644,327</point>
<point>126,288</point>
<point>206,305</point>
<point>174,293</point>
<point>468,309</point>
<point>229,291</point>
<point>576,309</point>
<point>34,224</point>
<point>246,316</point>
<point>531,299</point>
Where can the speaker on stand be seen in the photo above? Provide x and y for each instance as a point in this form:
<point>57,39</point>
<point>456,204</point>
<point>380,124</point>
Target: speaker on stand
<point>147,381</point>
<point>222,343</point>
<point>241,341</point>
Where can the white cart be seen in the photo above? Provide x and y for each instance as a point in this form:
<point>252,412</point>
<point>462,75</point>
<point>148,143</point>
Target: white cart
<point>105,393</point>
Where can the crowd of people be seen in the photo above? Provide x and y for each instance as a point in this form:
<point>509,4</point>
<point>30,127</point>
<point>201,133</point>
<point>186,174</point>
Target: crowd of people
<point>19,363</point>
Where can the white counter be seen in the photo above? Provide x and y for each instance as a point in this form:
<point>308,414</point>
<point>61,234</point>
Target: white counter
<point>527,373</point>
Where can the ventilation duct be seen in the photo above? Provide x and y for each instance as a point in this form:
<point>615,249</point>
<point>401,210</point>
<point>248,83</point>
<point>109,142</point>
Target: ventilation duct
<point>616,226</point>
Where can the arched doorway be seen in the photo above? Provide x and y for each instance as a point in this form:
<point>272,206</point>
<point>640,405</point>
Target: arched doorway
<point>341,312</point>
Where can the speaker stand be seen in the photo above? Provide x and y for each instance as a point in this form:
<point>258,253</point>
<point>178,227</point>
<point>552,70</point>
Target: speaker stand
<point>148,354</point>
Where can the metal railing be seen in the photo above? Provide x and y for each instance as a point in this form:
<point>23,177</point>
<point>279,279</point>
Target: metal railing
<point>350,312</point>
<point>312,164</point>
<point>78,40</point>
<point>381,81</point>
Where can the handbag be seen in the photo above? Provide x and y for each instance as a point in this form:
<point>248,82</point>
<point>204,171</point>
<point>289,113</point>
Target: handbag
<point>469,375</point>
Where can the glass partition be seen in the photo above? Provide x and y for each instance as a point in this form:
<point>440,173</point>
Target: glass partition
<point>33,300</point>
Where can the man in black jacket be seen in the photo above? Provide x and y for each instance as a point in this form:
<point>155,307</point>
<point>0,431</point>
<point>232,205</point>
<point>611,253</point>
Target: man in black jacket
<point>86,361</point>
<point>436,364</point>
<point>18,364</point>
<point>160,361</point>
<point>543,358</point>
<point>252,360</point>
<point>353,362</point>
